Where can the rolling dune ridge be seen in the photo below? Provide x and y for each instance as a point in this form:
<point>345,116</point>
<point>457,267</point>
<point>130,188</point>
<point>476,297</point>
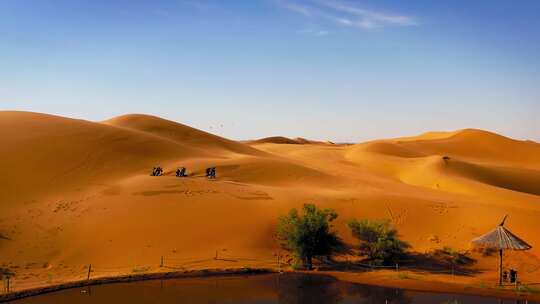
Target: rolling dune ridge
<point>76,192</point>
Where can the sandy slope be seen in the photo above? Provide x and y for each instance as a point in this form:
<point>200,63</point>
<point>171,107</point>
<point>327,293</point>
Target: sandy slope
<point>285,140</point>
<point>478,145</point>
<point>180,133</point>
<point>77,192</point>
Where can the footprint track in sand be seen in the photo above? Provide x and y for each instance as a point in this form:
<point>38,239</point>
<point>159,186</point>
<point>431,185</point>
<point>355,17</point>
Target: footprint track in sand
<point>442,208</point>
<point>254,197</point>
<point>66,206</point>
<point>397,217</point>
<point>246,194</point>
<point>185,192</point>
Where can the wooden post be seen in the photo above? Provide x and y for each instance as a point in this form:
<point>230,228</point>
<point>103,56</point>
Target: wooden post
<point>7,287</point>
<point>501,267</point>
<point>89,270</point>
<point>161,264</point>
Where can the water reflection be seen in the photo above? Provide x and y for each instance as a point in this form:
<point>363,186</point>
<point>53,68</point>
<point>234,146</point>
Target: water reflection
<point>292,289</point>
<point>295,288</point>
<point>374,294</point>
<point>263,289</point>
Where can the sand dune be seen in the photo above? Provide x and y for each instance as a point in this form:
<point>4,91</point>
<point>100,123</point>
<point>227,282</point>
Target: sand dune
<point>76,192</point>
<point>286,140</point>
<point>516,179</point>
<point>473,144</point>
<point>275,140</point>
<point>179,133</point>
<point>46,154</point>
<point>55,154</point>
<point>478,145</point>
<point>436,159</point>
<point>391,149</point>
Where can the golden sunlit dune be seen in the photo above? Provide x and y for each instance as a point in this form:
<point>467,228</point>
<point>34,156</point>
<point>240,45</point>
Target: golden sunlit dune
<point>516,179</point>
<point>179,133</point>
<point>477,145</point>
<point>76,192</point>
<point>285,140</point>
<point>276,140</point>
<point>46,154</point>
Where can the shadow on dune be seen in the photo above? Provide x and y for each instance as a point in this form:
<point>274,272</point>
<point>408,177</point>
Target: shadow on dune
<point>439,263</point>
<point>515,179</point>
<point>436,262</point>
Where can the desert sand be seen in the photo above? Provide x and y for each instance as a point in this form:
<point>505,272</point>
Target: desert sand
<point>76,192</point>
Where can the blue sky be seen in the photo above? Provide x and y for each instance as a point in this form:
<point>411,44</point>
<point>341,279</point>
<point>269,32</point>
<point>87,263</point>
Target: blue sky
<point>322,69</point>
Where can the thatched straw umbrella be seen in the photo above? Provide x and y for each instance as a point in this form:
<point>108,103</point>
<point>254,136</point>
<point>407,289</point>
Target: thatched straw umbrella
<point>502,239</point>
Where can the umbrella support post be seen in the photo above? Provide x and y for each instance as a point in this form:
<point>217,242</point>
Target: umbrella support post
<point>502,239</point>
<point>501,267</point>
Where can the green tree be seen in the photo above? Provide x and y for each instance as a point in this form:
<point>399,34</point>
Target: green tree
<point>378,240</point>
<point>309,235</point>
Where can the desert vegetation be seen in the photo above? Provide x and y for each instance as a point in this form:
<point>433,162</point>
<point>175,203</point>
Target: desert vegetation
<point>100,197</point>
<point>309,234</point>
<point>379,241</point>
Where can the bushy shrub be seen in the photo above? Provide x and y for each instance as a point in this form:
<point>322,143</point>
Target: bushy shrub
<point>309,235</point>
<point>378,240</point>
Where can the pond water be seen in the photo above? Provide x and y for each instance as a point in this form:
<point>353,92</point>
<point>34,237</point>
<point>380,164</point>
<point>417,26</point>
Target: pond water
<point>272,288</point>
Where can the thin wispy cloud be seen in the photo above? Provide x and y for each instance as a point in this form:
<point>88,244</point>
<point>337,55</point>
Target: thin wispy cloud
<point>368,15</point>
<point>347,14</point>
<point>313,32</point>
<point>296,7</point>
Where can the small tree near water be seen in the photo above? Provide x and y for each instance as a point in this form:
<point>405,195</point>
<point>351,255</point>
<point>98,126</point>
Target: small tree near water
<point>309,235</point>
<point>378,240</point>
